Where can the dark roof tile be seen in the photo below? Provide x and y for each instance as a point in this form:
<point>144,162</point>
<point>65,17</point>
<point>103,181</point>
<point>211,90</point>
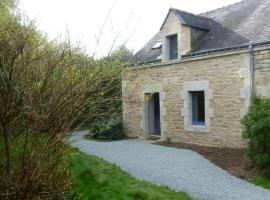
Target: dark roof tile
<point>193,20</point>
<point>146,53</point>
<point>240,23</point>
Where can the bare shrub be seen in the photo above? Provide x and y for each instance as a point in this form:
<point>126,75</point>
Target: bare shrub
<point>44,89</point>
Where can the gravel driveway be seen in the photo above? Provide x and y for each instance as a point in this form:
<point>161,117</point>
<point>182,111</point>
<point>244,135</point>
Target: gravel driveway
<point>179,169</point>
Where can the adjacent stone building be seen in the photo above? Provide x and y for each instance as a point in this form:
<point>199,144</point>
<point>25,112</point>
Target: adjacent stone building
<point>192,82</point>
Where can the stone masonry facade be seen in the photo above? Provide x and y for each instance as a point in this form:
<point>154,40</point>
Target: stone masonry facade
<point>226,80</point>
<point>262,72</point>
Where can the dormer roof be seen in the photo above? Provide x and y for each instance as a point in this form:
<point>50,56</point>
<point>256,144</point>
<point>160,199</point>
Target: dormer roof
<point>241,23</point>
<point>189,19</point>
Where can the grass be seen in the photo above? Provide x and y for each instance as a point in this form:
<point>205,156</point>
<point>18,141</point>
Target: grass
<point>262,181</point>
<point>97,179</point>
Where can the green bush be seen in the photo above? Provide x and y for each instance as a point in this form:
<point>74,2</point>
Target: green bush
<point>107,130</point>
<point>257,133</point>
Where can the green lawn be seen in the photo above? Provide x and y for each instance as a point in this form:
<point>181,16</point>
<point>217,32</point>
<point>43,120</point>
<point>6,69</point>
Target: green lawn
<point>97,179</point>
<point>263,182</point>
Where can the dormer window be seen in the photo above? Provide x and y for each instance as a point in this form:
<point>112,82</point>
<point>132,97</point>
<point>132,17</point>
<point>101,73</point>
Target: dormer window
<point>181,33</point>
<point>173,50</point>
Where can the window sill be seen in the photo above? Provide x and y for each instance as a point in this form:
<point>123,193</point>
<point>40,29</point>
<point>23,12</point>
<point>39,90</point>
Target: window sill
<point>198,124</point>
<point>197,128</point>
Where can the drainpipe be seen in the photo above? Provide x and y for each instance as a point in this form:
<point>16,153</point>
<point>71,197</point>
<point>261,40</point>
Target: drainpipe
<point>252,71</point>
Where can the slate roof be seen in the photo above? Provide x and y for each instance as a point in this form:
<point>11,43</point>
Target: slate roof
<point>146,54</point>
<point>190,19</point>
<point>241,23</point>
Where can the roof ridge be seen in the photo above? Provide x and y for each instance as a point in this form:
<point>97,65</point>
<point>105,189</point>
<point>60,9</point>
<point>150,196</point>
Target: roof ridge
<point>189,13</point>
<point>222,8</point>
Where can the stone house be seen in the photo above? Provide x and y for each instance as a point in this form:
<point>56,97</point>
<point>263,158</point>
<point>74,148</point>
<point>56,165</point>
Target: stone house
<point>192,82</point>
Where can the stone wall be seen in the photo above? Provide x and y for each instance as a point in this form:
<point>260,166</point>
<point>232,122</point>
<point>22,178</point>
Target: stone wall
<point>226,80</point>
<point>262,71</point>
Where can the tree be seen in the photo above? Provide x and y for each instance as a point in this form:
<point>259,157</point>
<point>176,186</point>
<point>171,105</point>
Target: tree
<point>109,92</point>
<point>45,86</point>
<point>123,53</point>
<point>8,3</point>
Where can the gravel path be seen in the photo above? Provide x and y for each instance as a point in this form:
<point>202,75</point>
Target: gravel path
<point>181,170</point>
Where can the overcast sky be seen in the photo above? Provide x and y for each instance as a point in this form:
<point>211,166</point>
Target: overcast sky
<point>131,21</point>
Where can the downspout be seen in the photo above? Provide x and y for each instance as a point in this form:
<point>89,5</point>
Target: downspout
<point>252,70</point>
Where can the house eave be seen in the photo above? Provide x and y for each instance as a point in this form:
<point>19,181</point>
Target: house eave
<point>206,54</point>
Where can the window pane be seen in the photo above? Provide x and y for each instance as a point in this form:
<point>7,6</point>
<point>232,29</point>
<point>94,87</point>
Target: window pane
<point>173,50</point>
<point>198,107</point>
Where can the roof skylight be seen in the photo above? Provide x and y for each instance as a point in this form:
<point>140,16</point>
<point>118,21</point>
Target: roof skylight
<point>157,45</point>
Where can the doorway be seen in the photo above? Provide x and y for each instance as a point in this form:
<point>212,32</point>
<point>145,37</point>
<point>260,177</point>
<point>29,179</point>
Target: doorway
<point>153,110</point>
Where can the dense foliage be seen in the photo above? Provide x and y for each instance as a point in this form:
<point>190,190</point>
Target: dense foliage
<point>111,129</point>
<point>47,88</point>
<point>257,133</point>
<point>104,98</point>
<point>41,89</point>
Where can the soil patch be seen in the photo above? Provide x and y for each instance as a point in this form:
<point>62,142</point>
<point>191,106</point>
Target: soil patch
<point>232,160</point>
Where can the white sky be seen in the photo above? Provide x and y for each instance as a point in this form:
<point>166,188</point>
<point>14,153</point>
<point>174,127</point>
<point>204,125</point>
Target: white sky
<point>134,21</point>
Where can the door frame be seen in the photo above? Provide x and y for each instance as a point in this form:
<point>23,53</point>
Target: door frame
<point>144,114</point>
<point>151,121</point>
